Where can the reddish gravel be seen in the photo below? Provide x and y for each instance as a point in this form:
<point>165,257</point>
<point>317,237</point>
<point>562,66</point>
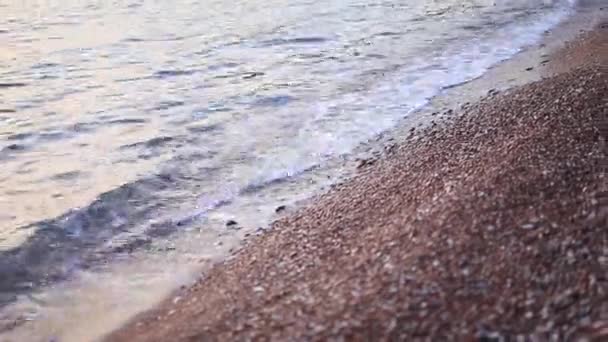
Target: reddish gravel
<point>590,48</point>
<point>492,227</point>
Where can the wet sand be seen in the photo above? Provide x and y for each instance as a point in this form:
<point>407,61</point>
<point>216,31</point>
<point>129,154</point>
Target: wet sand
<point>491,224</point>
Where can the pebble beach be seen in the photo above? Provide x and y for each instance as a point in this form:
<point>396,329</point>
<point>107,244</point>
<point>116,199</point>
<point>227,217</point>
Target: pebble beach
<point>490,225</point>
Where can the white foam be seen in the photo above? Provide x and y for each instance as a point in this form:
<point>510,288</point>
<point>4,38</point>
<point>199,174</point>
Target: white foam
<point>408,91</point>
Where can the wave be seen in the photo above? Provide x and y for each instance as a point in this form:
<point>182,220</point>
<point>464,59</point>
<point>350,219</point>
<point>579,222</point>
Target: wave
<point>130,217</point>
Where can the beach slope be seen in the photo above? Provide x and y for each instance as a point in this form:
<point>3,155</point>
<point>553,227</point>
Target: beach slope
<point>492,224</point>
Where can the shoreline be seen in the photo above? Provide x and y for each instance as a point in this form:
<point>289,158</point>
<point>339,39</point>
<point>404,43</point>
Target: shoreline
<point>311,275</point>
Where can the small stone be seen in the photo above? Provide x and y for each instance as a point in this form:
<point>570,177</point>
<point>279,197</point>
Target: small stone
<point>493,336</point>
<point>544,313</point>
<point>280,209</point>
<point>231,223</point>
<point>365,162</point>
<point>528,226</point>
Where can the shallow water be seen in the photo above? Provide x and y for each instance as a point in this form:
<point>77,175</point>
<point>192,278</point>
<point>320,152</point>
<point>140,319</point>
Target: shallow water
<point>130,131</point>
